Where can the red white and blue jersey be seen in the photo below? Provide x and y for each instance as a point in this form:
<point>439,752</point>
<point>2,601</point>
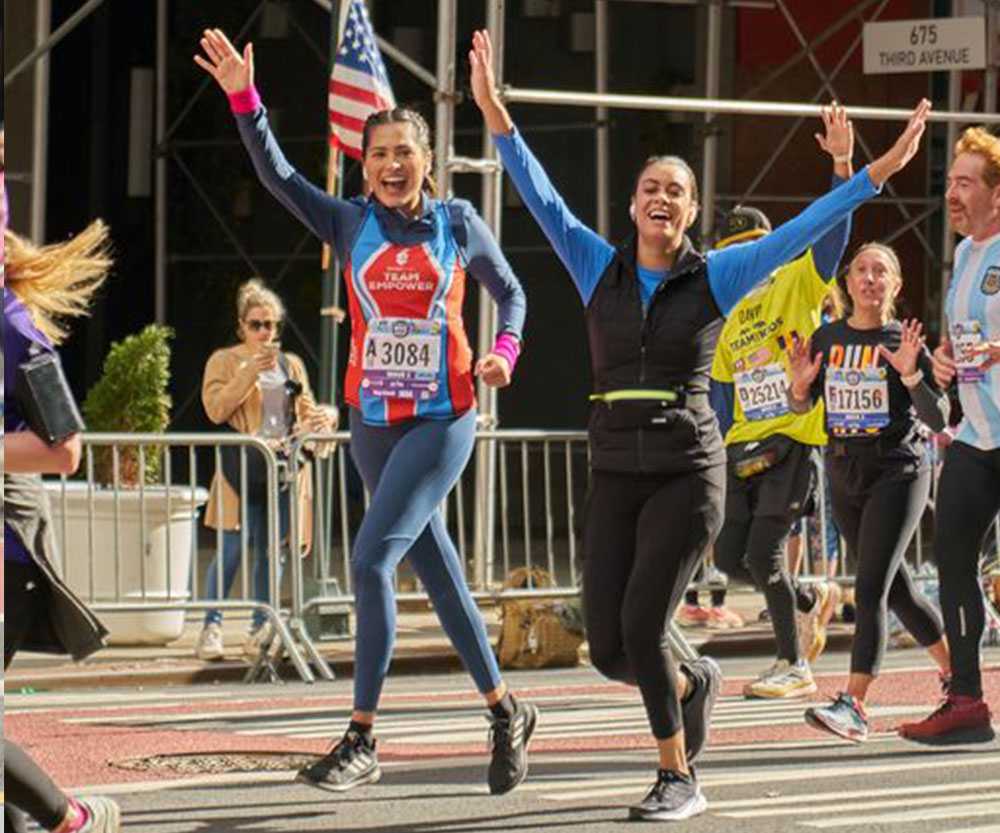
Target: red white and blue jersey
<point>406,275</point>
<point>410,356</point>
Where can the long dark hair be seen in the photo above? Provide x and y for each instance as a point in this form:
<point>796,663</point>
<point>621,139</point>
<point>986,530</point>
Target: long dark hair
<point>421,132</point>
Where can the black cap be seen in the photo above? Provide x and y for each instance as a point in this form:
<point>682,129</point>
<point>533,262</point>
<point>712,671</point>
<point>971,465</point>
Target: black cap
<point>741,224</point>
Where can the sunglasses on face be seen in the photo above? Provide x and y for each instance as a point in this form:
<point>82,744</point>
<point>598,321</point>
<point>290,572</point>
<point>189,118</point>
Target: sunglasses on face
<point>257,325</point>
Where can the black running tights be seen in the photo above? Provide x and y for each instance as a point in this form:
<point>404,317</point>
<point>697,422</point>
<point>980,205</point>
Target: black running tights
<point>26,786</point>
<point>967,502</point>
<point>878,518</point>
<point>644,535</point>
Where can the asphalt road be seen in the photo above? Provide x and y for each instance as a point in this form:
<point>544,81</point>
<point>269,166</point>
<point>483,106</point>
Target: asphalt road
<point>765,769</point>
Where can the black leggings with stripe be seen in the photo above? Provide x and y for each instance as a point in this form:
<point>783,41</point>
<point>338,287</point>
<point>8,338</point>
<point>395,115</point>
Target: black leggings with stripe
<point>967,502</point>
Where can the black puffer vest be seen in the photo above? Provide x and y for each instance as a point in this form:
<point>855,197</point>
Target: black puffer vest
<point>668,348</point>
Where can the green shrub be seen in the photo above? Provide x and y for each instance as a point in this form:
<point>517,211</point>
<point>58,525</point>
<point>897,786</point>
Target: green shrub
<point>131,397</point>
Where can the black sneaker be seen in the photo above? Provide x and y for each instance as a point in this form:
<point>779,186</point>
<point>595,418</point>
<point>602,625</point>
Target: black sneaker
<point>674,797</point>
<point>706,677</point>
<point>351,763</point>
<point>509,741</point>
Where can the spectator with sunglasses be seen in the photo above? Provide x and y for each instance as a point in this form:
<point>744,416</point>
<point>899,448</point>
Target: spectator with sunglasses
<point>254,388</point>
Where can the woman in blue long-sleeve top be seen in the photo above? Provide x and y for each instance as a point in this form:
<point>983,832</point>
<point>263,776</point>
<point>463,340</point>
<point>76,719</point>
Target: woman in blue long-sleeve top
<point>405,257</point>
<point>654,308</point>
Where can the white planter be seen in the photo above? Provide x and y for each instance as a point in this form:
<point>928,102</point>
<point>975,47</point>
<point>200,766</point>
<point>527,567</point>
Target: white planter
<point>154,553</point>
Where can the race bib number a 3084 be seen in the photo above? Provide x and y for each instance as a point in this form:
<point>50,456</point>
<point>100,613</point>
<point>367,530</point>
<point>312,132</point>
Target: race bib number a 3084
<point>762,392</point>
<point>402,358</point>
<point>857,400</point>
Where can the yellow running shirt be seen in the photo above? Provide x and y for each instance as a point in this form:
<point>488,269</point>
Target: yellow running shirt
<point>751,354</point>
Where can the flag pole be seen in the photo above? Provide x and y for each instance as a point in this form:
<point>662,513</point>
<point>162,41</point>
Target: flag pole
<point>331,313</point>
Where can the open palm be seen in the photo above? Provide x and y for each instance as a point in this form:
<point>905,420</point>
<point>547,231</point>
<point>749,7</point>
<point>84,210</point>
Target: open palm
<point>802,367</point>
<point>481,63</point>
<point>911,342</point>
<point>232,71</point>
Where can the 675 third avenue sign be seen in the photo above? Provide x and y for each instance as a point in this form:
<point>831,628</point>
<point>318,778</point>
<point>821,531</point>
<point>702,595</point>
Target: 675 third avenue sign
<point>923,45</point>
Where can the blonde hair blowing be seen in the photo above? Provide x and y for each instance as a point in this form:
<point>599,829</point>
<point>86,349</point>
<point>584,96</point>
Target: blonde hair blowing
<point>980,140</point>
<point>59,280</point>
<point>252,294</point>
<point>895,270</point>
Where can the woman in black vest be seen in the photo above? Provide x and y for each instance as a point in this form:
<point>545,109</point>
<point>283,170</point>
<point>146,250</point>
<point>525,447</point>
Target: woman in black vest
<point>655,307</point>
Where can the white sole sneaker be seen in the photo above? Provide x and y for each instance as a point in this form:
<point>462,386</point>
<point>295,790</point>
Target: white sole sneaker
<point>695,807</point>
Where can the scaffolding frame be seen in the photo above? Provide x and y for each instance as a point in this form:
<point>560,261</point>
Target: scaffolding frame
<point>442,81</point>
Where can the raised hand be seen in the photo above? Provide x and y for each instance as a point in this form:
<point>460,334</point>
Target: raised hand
<point>802,368</point>
<point>943,363</point>
<point>838,136</point>
<point>494,370</point>
<point>905,147</point>
<point>484,85</point>
<point>233,71</point>
<point>911,342</point>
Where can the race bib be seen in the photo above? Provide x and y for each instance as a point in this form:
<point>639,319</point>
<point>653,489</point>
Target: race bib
<point>402,358</point>
<point>762,392</point>
<point>857,400</point>
<point>965,337</point>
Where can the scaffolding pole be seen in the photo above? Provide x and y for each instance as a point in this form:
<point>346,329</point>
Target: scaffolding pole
<point>40,118</point>
<point>603,137</point>
<point>710,160</point>
<point>160,207</point>
<point>723,106</point>
<point>483,548</point>
<point>444,95</point>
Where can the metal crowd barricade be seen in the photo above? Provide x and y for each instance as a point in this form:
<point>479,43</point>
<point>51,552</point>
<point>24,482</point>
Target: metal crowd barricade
<point>541,479</point>
<point>132,550</point>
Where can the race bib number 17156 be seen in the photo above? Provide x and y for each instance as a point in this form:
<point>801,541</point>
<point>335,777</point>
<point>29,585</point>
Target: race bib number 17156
<point>857,400</point>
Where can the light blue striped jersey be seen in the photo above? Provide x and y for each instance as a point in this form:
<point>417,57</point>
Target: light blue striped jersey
<point>973,311</point>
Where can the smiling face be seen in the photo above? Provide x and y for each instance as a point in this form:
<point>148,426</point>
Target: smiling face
<point>873,282</point>
<point>396,165</point>
<point>664,204</point>
<point>973,205</point>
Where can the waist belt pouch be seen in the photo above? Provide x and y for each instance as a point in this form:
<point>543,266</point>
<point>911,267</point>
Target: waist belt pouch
<point>624,416</point>
<point>46,399</point>
<point>752,458</point>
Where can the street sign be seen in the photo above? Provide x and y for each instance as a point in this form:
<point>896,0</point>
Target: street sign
<point>924,45</point>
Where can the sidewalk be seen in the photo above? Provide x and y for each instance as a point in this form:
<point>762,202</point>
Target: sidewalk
<point>421,648</point>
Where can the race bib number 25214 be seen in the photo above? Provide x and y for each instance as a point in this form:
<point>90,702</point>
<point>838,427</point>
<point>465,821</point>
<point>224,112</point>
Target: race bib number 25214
<point>762,392</point>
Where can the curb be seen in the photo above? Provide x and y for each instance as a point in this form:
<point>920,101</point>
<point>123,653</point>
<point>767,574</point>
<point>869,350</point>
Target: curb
<point>411,662</point>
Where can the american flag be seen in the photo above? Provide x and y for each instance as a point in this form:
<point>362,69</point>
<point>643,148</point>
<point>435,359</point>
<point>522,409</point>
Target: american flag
<point>359,85</point>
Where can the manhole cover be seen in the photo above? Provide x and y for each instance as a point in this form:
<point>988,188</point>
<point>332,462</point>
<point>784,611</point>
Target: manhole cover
<point>218,762</point>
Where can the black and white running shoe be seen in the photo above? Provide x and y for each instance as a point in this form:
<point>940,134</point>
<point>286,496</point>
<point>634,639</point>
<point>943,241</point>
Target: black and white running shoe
<point>351,763</point>
<point>674,797</point>
<point>509,743</point>
<point>706,677</point>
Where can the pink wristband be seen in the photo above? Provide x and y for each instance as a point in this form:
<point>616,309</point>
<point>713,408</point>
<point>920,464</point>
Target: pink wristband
<point>245,101</point>
<point>508,347</point>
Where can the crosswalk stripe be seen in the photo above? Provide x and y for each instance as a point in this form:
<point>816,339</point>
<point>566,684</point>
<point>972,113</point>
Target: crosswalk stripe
<point>903,818</point>
<point>626,785</point>
<point>881,804</point>
<point>807,799</point>
<point>989,828</point>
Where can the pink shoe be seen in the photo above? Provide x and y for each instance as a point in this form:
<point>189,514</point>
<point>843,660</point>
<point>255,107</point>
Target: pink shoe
<point>722,618</point>
<point>693,616</point>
